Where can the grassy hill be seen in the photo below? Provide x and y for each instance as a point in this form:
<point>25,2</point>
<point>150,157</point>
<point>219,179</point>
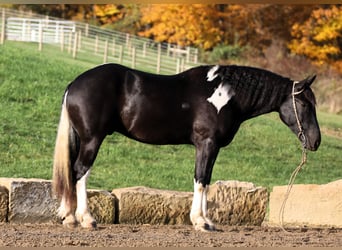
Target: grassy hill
<point>264,150</point>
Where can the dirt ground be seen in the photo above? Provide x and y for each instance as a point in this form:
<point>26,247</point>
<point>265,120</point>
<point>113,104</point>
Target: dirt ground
<point>50,235</point>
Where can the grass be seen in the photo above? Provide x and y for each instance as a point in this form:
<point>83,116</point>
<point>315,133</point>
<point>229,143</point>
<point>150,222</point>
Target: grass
<point>264,150</point>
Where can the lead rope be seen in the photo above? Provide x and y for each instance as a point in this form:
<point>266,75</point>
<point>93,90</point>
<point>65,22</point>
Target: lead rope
<point>302,137</point>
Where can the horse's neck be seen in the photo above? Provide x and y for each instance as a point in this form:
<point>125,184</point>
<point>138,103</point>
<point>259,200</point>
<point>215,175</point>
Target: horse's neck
<point>262,100</point>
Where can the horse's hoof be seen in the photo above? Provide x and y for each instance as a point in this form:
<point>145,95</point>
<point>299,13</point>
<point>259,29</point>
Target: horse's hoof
<point>89,225</point>
<point>69,222</point>
<point>205,227</point>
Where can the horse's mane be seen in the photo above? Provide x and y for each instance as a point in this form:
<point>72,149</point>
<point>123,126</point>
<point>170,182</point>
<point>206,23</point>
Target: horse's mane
<point>249,79</point>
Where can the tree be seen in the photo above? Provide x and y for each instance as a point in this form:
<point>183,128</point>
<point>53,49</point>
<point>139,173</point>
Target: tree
<point>108,13</point>
<point>122,17</point>
<point>320,37</point>
<point>65,11</point>
<point>183,24</point>
<point>259,25</point>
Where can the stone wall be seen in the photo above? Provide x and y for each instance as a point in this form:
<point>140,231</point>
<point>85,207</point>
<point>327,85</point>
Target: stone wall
<point>233,203</point>
<point>229,203</point>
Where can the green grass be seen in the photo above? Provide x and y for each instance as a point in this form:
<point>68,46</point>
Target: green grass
<point>264,150</point>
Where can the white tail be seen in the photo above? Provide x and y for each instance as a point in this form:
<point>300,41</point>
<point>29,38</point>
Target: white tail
<point>62,179</point>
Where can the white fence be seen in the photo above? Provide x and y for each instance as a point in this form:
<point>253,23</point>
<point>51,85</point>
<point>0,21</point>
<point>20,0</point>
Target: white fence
<point>91,43</point>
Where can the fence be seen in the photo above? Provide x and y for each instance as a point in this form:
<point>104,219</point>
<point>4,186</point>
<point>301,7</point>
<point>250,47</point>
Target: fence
<point>91,43</point>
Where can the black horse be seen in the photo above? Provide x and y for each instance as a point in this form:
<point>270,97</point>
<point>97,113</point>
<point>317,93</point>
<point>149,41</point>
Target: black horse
<point>203,106</point>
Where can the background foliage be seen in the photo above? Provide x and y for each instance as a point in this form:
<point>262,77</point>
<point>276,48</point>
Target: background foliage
<point>312,31</point>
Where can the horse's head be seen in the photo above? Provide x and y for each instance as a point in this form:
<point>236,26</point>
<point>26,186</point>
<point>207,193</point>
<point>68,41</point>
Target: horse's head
<point>298,112</point>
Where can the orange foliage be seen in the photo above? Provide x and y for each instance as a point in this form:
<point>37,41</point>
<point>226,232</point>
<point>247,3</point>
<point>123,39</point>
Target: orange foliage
<point>183,24</point>
<point>108,13</point>
<point>320,37</point>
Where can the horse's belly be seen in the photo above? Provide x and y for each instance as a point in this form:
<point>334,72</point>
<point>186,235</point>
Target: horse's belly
<point>158,125</point>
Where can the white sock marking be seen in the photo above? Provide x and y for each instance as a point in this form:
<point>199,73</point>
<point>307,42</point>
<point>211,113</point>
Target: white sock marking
<point>62,211</point>
<point>211,73</point>
<point>204,202</point>
<point>196,209</point>
<point>221,96</point>
<point>81,190</point>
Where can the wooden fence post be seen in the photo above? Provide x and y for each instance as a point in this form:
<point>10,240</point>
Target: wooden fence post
<point>70,42</point>
<point>127,40</point>
<point>86,30</point>
<point>120,54</point>
<point>3,27</point>
<point>74,50</point>
<point>158,58</point>
<point>105,53</point>
<point>96,44</point>
<point>196,56</point>
<point>113,47</point>
<point>133,57</point>
<point>144,49</point>
<point>178,66</point>
<point>182,66</point>
<point>188,54</point>
<point>62,40</point>
<point>79,43</point>
<point>40,36</point>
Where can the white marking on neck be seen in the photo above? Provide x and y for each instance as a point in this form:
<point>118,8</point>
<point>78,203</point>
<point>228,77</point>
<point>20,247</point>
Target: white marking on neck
<point>221,96</point>
<point>211,73</point>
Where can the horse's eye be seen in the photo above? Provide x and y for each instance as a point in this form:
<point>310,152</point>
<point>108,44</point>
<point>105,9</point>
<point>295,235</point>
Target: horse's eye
<point>303,104</point>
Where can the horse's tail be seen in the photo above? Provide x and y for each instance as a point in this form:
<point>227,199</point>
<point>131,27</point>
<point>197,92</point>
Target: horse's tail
<point>62,176</point>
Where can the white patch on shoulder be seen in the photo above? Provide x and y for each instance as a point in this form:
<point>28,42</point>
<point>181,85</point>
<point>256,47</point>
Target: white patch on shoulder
<point>211,75</point>
<point>221,96</point>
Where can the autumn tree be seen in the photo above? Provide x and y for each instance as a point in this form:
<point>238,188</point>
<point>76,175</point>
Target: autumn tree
<point>208,25</point>
<point>259,25</point>
<point>79,12</point>
<point>122,17</point>
<point>184,24</point>
<point>108,13</point>
<point>320,37</point>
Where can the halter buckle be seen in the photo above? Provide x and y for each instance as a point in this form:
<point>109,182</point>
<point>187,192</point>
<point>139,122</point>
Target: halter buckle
<point>302,138</point>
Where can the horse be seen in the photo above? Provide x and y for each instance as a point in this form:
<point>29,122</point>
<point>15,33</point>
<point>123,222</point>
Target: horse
<point>203,106</point>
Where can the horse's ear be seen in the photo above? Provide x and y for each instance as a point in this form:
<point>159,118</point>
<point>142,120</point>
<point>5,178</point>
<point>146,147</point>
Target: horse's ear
<point>306,83</point>
<point>309,80</point>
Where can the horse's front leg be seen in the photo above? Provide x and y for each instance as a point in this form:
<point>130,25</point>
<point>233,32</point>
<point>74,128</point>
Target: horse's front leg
<point>206,153</point>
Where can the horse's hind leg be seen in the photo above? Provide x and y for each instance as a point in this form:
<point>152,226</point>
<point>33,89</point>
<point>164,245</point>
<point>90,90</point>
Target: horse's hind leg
<point>82,213</point>
<point>66,210</point>
<point>86,157</point>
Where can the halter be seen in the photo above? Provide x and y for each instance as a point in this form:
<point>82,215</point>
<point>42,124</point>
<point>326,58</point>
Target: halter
<point>301,134</point>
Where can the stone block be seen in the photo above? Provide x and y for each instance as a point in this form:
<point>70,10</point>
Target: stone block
<point>30,200</point>
<point>142,205</point>
<point>237,203</point>
<point>101,206</point>
<point>3,204</point>
<point>308,205</point>
<point>229,202</point>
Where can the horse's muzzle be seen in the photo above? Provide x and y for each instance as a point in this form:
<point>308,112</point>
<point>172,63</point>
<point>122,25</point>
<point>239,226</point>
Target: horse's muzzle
<point>313,146</point>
